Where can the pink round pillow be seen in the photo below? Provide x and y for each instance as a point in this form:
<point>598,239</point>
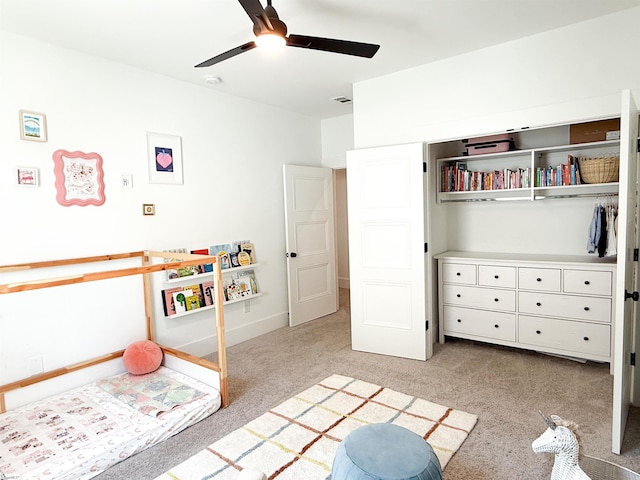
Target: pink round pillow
<point>142,357</point>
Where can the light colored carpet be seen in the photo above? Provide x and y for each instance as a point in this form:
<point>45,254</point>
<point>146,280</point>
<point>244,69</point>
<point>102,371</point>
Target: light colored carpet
<point>298,438</point>
<point>505,387</point>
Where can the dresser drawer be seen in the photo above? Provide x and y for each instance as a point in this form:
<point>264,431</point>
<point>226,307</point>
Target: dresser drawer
<point>543,279</point>
<point>567,335</point>
<point>490,298</point>
<point>492,325</point>
<point>459,273</point>
<point>567,306</point>
<point>587,281</point>
<point>495,276</point>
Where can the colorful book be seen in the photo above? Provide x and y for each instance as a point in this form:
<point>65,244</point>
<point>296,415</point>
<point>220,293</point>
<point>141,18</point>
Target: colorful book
<point>173,273</point>
<point>168,302</point>
<point>244,286</point>
<point>197,291</point>
<point>248,248</point>
<point>180,300</point>
<point>208,293</point>
<point>207,267</point>
<point>193,302</point>
<point>222,252</point>
<point>251,275</point>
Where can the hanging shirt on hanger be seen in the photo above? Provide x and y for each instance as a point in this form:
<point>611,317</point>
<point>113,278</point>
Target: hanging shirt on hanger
<point>593,235</point>
<point>602,239</point>
<point>611,231</point>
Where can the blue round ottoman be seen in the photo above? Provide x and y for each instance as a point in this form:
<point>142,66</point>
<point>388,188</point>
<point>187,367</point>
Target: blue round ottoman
<point>383,451</point>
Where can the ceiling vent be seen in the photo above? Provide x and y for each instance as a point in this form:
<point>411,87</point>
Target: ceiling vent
<point>342,99</point>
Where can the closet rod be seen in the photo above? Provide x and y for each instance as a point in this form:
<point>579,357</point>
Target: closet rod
<point>538,197</point>
<point>578,195</point>
<point>503,199</point>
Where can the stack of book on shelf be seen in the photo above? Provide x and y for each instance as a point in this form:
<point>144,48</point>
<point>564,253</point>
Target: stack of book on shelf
<point>560,175</point>
<point>457,178</point>
<point>188,271</point>
<point>186,298</point>
<point>236,284</point>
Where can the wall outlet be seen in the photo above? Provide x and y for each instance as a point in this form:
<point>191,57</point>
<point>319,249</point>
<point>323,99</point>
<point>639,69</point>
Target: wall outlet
<point>34,365</point>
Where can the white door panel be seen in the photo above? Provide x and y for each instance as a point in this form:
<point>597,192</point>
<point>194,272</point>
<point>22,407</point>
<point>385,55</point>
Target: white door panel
<point>385,188</point>
<point>311,256</point>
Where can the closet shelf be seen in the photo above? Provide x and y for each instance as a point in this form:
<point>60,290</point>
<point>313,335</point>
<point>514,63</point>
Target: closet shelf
<point>519,167</point>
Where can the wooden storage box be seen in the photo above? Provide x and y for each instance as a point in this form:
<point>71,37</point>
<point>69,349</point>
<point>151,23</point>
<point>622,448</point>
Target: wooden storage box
<point>598,131</point>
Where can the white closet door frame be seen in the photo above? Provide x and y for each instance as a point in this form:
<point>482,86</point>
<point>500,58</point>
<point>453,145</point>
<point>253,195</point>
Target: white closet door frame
<point>625,278</point>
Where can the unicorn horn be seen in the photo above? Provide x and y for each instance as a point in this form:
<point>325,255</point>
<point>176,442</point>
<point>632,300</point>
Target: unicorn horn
<point>552,425</point>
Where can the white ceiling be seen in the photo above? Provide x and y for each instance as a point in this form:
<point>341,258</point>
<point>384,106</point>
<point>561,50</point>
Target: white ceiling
<point>171,36</point>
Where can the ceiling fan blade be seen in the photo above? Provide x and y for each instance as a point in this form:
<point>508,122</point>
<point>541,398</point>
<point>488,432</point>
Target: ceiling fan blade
<point>256,13</point>
<point>228,54</point>
<point>346,47</point>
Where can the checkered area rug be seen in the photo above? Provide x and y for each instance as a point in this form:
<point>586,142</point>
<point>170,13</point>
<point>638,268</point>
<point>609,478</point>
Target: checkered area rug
<point>298,438</point>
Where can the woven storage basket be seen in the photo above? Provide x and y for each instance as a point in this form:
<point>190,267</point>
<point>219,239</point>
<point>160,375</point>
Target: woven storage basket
<point>598,469</point>
<point>603,169</point>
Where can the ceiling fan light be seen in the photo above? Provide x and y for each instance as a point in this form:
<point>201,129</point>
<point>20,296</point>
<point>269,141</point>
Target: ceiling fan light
<point>270,41</point>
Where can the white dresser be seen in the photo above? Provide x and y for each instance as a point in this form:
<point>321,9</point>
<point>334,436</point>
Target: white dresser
<point>553,304</point>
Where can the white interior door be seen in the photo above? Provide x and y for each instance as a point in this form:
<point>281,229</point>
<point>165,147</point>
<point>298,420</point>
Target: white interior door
<point>623,326</point>
<point>385,191</point>
<point>310,238</point>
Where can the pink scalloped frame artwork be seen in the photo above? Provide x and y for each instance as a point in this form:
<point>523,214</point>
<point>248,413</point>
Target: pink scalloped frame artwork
<point>79,178</point>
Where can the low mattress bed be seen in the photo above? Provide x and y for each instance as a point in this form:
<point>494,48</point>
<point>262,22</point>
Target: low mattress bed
<point>80,433</point>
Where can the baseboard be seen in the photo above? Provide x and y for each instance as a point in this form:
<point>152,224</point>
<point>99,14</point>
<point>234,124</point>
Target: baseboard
<point>202,347</point>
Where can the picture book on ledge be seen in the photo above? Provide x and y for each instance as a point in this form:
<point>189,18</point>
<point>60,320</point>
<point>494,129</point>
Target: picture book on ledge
<point>182,272</point>
<point>235,254</point>
<point>182,299</point>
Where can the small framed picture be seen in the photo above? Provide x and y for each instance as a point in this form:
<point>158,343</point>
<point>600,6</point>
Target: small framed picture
<point>33,126</point>
<point>26,177</point>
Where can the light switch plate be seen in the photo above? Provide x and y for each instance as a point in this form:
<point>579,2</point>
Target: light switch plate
<point>126,180</point>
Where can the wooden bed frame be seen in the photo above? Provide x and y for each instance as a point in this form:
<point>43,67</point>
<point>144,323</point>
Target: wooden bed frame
<point>170,261</point>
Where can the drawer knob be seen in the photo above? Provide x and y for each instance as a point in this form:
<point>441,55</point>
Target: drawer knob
<point>587,282</point>
<point>496,326</point>
<point>458,274</point>
<point>538,279</point>
<point>496,276</point>
<point>459,321</point>
<point>586,309</point>
<point>458,295</point>
<point>586,339</point>
<point>538,304</point>
<point>496,299</point>
<point>538,332</point>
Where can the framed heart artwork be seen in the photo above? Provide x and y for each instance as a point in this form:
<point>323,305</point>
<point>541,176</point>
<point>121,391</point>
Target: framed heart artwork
<point>164,154</point>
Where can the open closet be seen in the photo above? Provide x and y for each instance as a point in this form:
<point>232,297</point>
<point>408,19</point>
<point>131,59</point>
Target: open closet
<point>410,236</point>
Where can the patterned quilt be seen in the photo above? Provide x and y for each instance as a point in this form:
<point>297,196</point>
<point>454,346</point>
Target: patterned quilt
<point>80,433</point>
<point>151,394</point>
<point>41,432</point>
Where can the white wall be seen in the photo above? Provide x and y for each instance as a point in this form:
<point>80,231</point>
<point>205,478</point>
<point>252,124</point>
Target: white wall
<point>559,76</point>
<point>337,139</point>
<point>233,151</point>
<point>563,76</point>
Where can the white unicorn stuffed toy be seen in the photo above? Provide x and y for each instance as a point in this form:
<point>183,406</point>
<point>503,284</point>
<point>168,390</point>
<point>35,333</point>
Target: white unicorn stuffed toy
<point>562,439</point>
